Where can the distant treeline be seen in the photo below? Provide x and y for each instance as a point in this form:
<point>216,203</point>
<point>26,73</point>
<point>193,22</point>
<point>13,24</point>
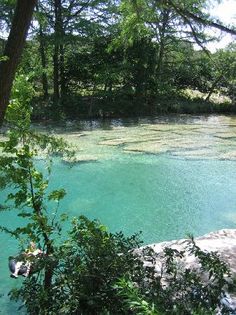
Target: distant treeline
<point>122,58</point>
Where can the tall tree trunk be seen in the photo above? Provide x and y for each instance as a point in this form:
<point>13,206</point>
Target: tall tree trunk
<point>43,62</point>
<point>140,70</point>
<point>56,77</point>
<point>13,50</point>
<point>58,58</point>
<point>162,31</point>
<point>62,71</point>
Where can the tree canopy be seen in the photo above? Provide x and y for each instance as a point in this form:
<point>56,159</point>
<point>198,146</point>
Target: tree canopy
<point>101,58</point>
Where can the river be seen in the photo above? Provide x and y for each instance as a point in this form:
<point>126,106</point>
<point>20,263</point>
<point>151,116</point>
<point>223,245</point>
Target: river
<point>164,176</point>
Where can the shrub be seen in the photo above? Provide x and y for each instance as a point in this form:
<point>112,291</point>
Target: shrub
<point>97,272</point>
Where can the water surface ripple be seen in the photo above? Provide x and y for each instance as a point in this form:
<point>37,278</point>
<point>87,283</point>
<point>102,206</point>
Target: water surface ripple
<point>166,176</point>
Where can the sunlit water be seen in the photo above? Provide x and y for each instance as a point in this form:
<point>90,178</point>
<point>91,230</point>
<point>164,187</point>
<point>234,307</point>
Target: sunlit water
<point>165,177</point>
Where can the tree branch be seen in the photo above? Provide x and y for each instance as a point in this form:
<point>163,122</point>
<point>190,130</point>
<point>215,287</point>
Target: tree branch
<point>201,20</point>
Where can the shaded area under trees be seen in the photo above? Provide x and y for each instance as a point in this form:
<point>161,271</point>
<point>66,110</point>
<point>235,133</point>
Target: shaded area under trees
<point>92,58</point>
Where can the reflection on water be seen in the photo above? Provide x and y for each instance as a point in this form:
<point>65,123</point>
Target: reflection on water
<point>107,124</point>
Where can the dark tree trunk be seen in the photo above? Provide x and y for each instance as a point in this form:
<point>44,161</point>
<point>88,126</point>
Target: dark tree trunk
<point>48,270</point>
<point>161,51</point>
<point>2,45</point>
<point>58,58</point>
<point>43,62</point>
<point>13,50</point>
<point>56,77</point>
<point>140,70</point>
<point>62,71</point>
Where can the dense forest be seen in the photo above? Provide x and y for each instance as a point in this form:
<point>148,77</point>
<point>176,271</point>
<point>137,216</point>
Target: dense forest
<point>123,58</point>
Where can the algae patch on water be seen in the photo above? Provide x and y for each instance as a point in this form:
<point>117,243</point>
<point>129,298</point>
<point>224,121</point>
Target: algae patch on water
<point>212,137</point>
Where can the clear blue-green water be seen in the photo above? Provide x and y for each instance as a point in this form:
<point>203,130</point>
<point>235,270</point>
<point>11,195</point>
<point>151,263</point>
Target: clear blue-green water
<point>165,198</point>
<point>164,195</point>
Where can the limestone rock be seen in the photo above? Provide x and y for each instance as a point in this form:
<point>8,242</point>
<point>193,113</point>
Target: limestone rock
<point>223,242</point>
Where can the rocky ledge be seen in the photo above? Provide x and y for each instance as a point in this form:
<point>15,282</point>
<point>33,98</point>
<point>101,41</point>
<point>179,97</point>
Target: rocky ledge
<point>223,242</point>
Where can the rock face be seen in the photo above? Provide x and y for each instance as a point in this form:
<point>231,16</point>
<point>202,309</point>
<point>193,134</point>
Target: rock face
<point>223,242</point>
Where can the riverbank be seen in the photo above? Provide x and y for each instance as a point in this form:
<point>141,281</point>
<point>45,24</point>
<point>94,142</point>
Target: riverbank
<point>222,241</point>
<point>117,105</point>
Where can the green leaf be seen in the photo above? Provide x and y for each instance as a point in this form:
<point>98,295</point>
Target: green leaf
<point>57,194</point>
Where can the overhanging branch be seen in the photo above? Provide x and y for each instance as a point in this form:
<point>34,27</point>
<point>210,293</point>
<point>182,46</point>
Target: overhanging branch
<point>199,19</point>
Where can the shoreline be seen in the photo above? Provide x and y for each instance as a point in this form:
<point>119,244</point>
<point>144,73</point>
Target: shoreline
<point>222,241</point>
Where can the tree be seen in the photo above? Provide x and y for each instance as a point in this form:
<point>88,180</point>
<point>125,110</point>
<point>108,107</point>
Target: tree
<point>224,70</point>
<point>62,16</point>
<point>13,50</point>
<point>42,51</point>
<point>136,61</point>
<point>29,200</point>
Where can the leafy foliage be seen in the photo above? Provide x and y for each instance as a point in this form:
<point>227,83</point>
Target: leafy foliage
<point>91,271</point>
<point>97,272</point>
<point>94,271</point>
<point>123,58</point>
<point>29,195</point>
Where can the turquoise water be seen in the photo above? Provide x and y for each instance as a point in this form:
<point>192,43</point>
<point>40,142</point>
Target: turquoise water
<point>165,198</point>
<point>163,195</point>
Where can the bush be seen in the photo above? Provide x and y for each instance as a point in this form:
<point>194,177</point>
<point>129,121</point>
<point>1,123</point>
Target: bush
<point>97,272</point>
